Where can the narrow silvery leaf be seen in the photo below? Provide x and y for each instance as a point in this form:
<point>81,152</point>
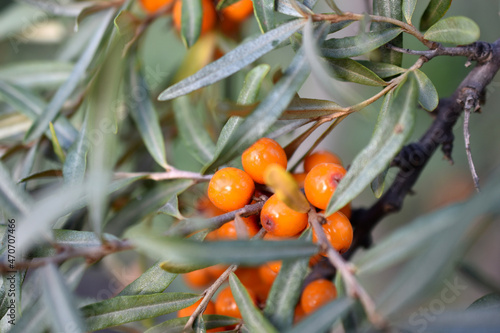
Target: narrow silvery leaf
<point>192,16</point>
<point>395,123</point>
<point>154,280</point>
<point>392,9</point>
<point>177,325</point>
<point>408,9</point>
<point>12,198</point>
<point>76,161</point>
<point>36,74</point>
<point>264,13</point>
<point>351,70</point>
<point>65,91</point>
<point>233,61</point>
<point>428,96</point>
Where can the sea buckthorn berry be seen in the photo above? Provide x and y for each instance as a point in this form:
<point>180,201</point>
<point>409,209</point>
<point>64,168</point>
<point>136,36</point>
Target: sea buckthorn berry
<point>260,155</point>
<point>280,220</point>
<point>346,210</point>
<point>225,304</point>
<point>230,189</point>
<point>275,266</point>
<point>267,275</point>
<point>198,279</point>
<point>338,231</point>
<point>229,230</point>
<point>300,178</point>
<point>152,6</point>
<point>238,11</point>
<point>250,278</point>
<point>207,208</point>
<point>209,15</point>
<point>216,271</point>
<point>317,294</point>
<point>318,157</point>
<point>321,182</point>
<point>298,314</point>
<point>186,312</point>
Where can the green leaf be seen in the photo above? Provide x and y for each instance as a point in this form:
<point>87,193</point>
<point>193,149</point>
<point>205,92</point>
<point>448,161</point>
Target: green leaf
<point>357,45</point>
<point>395,123</point>
<point>248,95</point>
<point>392,9</point>
<point>427,96</point>
<point>308,108</point>
<point>65,91</point>
<point>286,290</point>
<point>434,12</point>
<point>33,320</point>
<point>76,161</point>
<point>487,302</point>
<point>264,13</point>
<point>233,61</point>
<point>177,325</point>
<point>63,313</point>
<point>186,251</point>
<point>32,106</point>
<point>378,184</point>
<point>154,280</point>
<point>10,24</point>
<point>268,111</point>
<point>192,130</point>
<point>224,3</point>
<point>43,174</point>
<point>171,207</point>
<point>192,16</point>
<point>145,117</point>
<point>456,30</point>
<point>36,74</point>
<point>285,7</point>
<point>125,309</point>
<point>56,145</point>
<point>383,70</point>
<point>253,318</point>
<point>408,9</point>
<point>323,318</point>
<point>351,70</point>
<point>12,199</point>
<point>28,163</point>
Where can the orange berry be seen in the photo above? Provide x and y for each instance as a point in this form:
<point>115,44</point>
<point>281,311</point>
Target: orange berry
<point>318,157</point>
<point>300,178</point>
<point>260,155</point>
<point>338,230</point>
<point>267,275</point>
<point>346,210</point>
<point>230,189</point>
<point>207,208</point>
<point>186,312</point>
<point>152,6</point>
<point>216,271</point>
<point>317,294</point>
<point>298,314</point>
<point>228,230</point>
<point>250,278</point>
<point>275,266</point>
<point>209,15</point>
<point>198,279</point>
<point>225,304</point>
<point>315,259</point>
<point>280,220</point>
<point>321,182</point>
<point>238,11</point>
<point>211,236</point>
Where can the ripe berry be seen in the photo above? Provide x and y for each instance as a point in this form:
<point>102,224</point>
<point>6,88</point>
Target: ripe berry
<point>250,278</point>
<point>316,294</point>
<point>318,157</point>
<point>260,155</point>
<point>298,314</point>
<point>338,231</point>
<point>267,275</point>
<point>186,312</point>
<point>346,210</point>
<point>209,15</point>
<point>225,304</point>
<point>229,231</point>
<point>207,208</point>
<point>275,266</point>
<point>321,182</point>
<point>152,6</point>
<point>238,11</point>
<point>230,189</point>
<point>198,279</point>
<point>300,178</point>
<point>280,220</point>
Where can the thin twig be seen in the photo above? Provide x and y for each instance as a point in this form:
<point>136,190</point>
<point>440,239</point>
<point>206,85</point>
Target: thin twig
<point>354,289</point>
<point>93,253</point>
<point>170,174</point>
<point>468,107</point>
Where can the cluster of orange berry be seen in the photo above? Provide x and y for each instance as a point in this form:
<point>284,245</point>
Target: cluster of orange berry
<point>228,18</point>
<point>231,189</point>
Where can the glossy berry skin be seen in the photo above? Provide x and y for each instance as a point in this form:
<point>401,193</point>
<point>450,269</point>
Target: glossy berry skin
<point>186,312</point>
<point>151,6</point>
<point>260,155</point>
<point>228,231</point>
<point>209,16</point>
<point>280,220</point>
<point>225,304</point>
<point>275,266</point>
<point>317,294</point>
<point>298,314</point>
<point>238,11</point>
<point>300,179</point>
<point>339,232</point>
<point>318,157</point>
<point>230,189</point>
<point>321,182</point>
<point>267,275</point>
<point>251,279</point>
